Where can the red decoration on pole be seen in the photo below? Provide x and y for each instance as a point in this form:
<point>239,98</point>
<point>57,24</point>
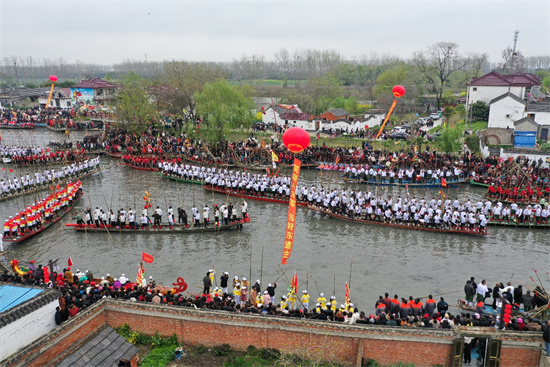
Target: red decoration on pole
<point>180,285</point>
<point>53,78</point>
<point>296,139</point>
<point>398,91</point>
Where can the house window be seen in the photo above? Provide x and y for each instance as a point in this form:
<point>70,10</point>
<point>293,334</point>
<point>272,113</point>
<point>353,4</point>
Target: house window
<point>531,116</point>
<point>68,103</point>
<point>474,89</point>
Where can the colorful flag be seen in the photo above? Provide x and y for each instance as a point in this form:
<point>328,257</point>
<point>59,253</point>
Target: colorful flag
<point>347,293</point>
<point>70,262</point>
<point>140,274</point>
<point>291,219</point>
<point>146,257</point>
<point>337,160</point>
<point>294,284</point>
<point>443,182</point>
<point>274,157</point>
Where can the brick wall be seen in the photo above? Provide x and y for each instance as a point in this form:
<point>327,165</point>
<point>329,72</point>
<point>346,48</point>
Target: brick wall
<point>346,344</point>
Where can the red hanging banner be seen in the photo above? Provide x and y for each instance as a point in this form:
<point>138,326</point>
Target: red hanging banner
<point>291,220</point>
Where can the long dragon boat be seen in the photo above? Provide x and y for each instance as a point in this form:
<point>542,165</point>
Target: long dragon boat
<point>250,196</point>
<point>515,224</point>
<point>28,126</point>
<point>177,228</point>
<point>140,168</point>
<point>478,183</point>
<point>46,224</point>
<point>64,129</point>
<point>179,179</point>
<point>406,183</point>
<point>396,225</point>
<point>47,186</point>
<point>519,202</point>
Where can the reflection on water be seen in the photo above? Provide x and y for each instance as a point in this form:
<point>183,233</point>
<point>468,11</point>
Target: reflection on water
<point>381,259</point>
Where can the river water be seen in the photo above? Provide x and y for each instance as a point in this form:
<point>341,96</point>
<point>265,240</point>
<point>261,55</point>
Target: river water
<point>380,259</point>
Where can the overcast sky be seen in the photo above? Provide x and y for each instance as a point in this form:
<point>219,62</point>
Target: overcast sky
<point>108,31</point>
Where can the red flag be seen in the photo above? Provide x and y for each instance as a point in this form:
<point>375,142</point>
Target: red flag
<point>70,262</point>
<point>347,293</point>
<point>443,182</point>
<point>10,170</point>
<point>294,283</point>
<point>146,257</point>
<point>58,187</point>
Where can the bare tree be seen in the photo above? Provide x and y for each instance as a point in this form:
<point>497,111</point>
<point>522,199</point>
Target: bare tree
<point>437,64</point>
<point>512,61</point>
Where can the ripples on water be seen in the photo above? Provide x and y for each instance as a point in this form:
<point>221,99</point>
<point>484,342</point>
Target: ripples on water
<point>382,259</point>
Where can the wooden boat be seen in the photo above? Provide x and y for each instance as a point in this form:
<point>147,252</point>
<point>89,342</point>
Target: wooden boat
<point>114,155</point>
<point>46,225</point>
<point>477,183</point>
<point>179,179</point>
<point>63,129</point>
<point>17,126</point>
<point>406,183</point>
<point>514,224</point>
<point>177,228</point>
<point>249,196</point>
<point>395,225</point>
<point>47,186</point>
<point>140,168</point>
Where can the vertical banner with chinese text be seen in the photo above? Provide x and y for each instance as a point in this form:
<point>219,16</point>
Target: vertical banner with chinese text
<point>291,221</point>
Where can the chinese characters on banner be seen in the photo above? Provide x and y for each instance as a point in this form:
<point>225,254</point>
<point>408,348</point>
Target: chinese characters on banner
<point>291,221</point>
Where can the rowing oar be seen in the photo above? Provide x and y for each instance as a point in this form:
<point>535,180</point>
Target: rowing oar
<point>441,294</point>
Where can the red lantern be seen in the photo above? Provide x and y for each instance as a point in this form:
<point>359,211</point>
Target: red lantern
<point>398,91</point>
<point>53,78</point>
<point>296,139</point>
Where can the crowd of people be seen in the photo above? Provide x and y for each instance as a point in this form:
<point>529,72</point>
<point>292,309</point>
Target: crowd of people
<point>40,213</point>
<point>223,214</point>
<point>39,180</point>
<point>238,294</point>
<point>403,175</point>
<point>30,156</point>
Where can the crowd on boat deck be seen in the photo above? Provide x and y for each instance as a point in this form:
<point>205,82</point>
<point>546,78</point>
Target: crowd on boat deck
<point>30,182</point>
<point>35,215</point>
<point>223,214</point>
<point>34,156</point>
<point>400,175</point>
<point>81,290</point>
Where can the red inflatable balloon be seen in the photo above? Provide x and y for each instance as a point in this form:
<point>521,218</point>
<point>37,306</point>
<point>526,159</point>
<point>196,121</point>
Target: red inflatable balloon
<point>296,139</point>
<point>53,78</point>
<point>398,91</point>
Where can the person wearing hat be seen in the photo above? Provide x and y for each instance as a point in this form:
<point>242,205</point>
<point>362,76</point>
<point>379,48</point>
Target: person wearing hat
<point>32,267</point>
<point>69,276</point>
<point>237,293</point>
<point>110,279</point>
<point>266,298</point>
<point>255,291</point>
<point>322,300</point>
<point>123,280</point>
<point>284,303</point>
<point>245,283</point>
<point>305,300</point>
<point>271,290</point>
<point>235,280</point>
<point>223,282</point>
<point>212,273</point>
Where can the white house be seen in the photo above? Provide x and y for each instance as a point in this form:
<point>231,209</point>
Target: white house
<point>273,114</point>
<point>373,118</point>
<point>61,98</point>
<point>492,85</point>
<point>303,120</point>
<point>504,110</point>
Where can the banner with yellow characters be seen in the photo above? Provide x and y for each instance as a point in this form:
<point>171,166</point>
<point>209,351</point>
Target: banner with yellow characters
<point>291,220</point>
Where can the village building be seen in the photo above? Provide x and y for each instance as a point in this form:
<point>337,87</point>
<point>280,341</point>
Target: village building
<point>93,92</point>
<point>272,114</point>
